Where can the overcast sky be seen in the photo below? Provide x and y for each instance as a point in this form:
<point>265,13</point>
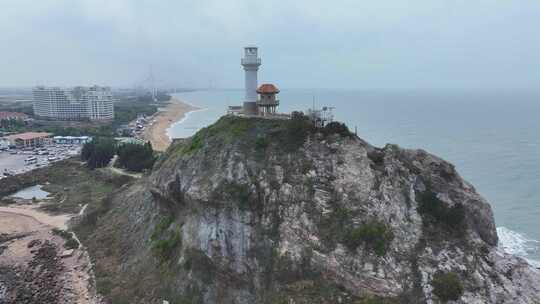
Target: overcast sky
<point>303,43</point>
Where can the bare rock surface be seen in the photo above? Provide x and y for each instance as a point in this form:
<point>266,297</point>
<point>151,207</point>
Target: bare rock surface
<point>32,269</point>
<point>259,211</point>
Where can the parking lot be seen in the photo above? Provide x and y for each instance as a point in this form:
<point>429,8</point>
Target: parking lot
<point>16,161</point>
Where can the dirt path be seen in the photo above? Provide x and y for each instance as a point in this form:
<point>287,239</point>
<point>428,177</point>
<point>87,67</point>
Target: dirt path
<point>115,170</point>
<point>58,221</point>
<point>34,265</point>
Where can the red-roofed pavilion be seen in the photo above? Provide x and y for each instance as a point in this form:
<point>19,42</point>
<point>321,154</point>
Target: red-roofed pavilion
<point>267,99</point>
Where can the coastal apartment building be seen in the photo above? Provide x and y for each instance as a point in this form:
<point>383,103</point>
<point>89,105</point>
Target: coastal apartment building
<point>79,103</point>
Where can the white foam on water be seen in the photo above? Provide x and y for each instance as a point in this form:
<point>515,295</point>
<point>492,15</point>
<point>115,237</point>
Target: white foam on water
<point>181,121</point>
<point>518,244</point>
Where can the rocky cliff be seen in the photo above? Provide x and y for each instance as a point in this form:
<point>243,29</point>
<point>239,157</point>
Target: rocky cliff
<point>275,211</point>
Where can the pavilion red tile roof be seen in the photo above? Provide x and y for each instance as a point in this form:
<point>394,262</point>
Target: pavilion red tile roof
<point>267,88</point>
<point>29,135</point>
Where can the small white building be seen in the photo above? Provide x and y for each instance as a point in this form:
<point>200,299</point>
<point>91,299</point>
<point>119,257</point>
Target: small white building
<point>71,140</point>
<point>130,140</point>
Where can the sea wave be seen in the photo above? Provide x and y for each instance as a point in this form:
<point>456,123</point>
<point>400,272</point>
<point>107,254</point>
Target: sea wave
<point>518,244</point>
<point>181,121</point>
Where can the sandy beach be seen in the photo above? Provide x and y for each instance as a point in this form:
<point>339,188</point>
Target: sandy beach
<point>156,132</point>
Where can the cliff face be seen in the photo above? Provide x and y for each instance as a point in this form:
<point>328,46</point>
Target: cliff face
<point>263,211</point>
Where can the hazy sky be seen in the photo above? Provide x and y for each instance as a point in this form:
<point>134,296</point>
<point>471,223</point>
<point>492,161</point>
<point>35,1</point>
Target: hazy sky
<point>303,43</point>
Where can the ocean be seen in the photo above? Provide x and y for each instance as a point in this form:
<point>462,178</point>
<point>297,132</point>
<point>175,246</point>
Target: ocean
<point>493,139</point>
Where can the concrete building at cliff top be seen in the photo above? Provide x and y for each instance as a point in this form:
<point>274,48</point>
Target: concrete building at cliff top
<point>79,103</point>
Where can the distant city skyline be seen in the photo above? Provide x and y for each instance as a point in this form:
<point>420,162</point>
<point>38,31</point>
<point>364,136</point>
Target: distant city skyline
<point>433,44</point>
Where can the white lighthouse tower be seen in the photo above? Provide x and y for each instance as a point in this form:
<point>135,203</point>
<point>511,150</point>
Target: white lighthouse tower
<point>251,63</point>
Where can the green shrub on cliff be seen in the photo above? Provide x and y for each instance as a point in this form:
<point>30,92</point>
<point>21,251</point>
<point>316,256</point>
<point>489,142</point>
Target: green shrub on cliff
<point>447,286</point>
<point>337,226</point>
<point>164,248</point>
<point>164,240</point>
<point>374,235</point>
<point>337,128</point>
<point>194,145</point>
<point>295,133</point>
<point>437,213</point>
<point>161,226</point>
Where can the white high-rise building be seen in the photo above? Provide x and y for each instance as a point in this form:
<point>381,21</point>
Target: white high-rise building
<point>251,63</point>
<point>78,103</point>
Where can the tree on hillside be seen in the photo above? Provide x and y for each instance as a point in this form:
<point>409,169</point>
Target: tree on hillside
<point>99,152</point>
<point>136,157</point>
<point>12,125</point>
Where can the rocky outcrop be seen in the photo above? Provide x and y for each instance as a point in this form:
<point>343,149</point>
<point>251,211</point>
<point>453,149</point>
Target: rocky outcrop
<point>265,211</point>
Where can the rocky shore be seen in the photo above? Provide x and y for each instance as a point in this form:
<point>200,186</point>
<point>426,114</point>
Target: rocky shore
<point>38,262</point>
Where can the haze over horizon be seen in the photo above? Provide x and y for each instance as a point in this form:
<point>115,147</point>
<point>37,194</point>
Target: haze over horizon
<point>304,44</point>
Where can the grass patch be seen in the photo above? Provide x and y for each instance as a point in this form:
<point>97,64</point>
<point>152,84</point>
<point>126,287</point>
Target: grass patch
<point>250,133</point>
<point>195,144</point>
<point>69,182</point>
<point>164,241</point>
<point>226,130</point>
<point>447,286</point>
<point>256,133</point>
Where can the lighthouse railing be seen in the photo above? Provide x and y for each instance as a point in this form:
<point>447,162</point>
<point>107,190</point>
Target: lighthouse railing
<point>251,61</point>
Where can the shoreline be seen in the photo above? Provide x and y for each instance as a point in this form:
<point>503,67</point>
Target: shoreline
<point>157,131</point>
<point>181,120</point>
